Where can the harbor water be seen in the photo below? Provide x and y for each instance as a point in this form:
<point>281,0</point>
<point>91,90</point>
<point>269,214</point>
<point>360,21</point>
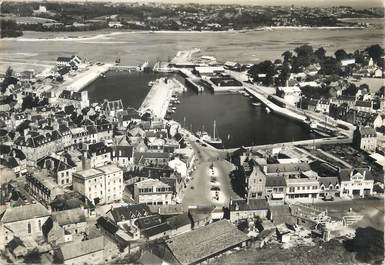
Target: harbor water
<point>238,122</point>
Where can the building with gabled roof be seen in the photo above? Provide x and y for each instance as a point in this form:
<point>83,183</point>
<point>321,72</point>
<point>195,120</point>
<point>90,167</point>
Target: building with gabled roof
<point>356,182</point>
<point>25,220</point>
<point>365,138</point>
<point>100,185</point>
<point>80,252</point>
<point>129,213</point>
<point>203,243</point>
<point>153,192</point>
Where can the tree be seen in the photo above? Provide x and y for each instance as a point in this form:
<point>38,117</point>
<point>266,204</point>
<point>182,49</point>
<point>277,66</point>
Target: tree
<point>265,67</point>
<point>287,56</point>
<point>359,57</point>
<point>341,54</point>
<point>320,53</point>
<point>277,61</point>
<point>284,75</point>
<point>351,90</point>
<point>9,29</point>
<point>375,52</point>
<point>330,66</point>
<point>304,51</point>
<point>9,72</point>
<point>8,79</point>
<point>305,57</point>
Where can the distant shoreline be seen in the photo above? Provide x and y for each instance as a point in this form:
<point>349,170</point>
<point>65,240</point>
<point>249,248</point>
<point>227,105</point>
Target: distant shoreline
<point>106,36</point>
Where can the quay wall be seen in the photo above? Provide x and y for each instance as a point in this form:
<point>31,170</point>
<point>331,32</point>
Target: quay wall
<point>275,108</point>
<point>158,98</point>
<point>84,79</point>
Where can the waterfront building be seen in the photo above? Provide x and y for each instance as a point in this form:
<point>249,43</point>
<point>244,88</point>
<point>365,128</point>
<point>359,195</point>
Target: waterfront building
<point>329,186</point>
<point>151,158</point>
<point>100,185</point>
<point>356,182</point>
<point>112,108</point>
<point>302,189</point>
<point>68,61</point>
<point>178,166</point>
<point>286,169</point>
<point>323,105</point>
<point>153,192</point>
<point>291,95</point>
<point>209,70</point>
<point>77,99</point>
<point>365,138</point>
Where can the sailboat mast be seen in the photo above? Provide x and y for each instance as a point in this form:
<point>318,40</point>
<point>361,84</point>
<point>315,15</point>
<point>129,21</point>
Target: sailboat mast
<point>214,130</point>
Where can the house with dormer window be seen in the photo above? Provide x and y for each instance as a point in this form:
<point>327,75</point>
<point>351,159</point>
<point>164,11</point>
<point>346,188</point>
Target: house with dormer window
<point>356,182</point>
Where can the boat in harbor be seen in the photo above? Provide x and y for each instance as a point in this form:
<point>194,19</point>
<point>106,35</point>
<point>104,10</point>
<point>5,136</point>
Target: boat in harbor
<point>256,104</point>
<point>204,136</point>
<point>102,75</point>
<point>150,84</point>
<point>170,111</point>
<point>268,110</point>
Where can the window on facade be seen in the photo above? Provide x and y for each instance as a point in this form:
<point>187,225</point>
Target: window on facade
<point>68,181</point>
<point>39,223</point>
<point>67,173</point>
<point>62,181</point>
<point>29,228</point>
<point>291,189</point>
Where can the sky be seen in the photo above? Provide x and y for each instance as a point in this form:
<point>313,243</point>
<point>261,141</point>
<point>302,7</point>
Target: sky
<point>310,3</point>
<point>319,3</point>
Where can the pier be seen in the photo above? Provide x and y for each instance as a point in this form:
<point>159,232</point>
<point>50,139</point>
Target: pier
<point>311,142</point>
<point>273,107</point>
<point>194,81</point>
<point>124,68</point>
<point>158,99</point>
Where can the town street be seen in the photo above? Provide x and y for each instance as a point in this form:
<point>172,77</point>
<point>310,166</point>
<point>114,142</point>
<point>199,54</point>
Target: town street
<point>198,191</point>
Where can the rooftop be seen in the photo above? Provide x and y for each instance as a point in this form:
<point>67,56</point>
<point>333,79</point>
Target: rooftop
<point>24,212</point>
<point>199,244</point>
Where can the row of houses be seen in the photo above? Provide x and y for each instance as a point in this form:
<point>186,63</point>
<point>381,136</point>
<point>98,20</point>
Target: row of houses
<point>301,182</point>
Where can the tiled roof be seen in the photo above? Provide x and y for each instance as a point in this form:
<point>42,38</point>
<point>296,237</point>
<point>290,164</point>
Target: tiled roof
<point>130,212</point>
<point>25,212</point>
<point>252,204</point>
<point>81,248</point>
<point>326,181</point>
<point>292,167</point>
<point>275,181</point>
<point>199,244</point>
<point>72,216</point>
